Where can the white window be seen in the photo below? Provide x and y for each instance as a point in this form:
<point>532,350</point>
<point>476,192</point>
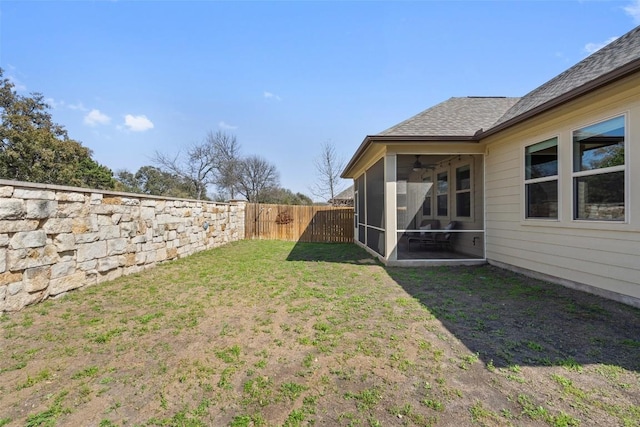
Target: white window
<point>463,191</point>
<point>442,195</point>
<point>427,203</point>
<point>599,171</point>
<point>541,179</point>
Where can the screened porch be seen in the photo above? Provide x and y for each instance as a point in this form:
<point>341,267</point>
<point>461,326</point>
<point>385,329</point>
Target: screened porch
<point>413,208</point>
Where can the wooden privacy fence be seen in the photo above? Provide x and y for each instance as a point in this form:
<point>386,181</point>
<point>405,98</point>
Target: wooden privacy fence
<point>299,223</point>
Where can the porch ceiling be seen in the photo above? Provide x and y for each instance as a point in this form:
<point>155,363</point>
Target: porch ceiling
<point>406,162</point>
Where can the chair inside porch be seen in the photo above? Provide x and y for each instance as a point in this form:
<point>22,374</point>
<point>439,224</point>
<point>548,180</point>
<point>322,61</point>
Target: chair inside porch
<point>418,250</point>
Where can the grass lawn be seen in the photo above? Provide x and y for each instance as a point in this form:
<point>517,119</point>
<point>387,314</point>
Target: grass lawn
<point>266,333</point>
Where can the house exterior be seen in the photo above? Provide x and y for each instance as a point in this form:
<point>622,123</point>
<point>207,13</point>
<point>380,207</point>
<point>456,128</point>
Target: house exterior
<point>547,184</point>
<point>344,198</point>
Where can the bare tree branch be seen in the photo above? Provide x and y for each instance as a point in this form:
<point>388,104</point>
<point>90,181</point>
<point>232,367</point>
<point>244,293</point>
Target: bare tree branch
<point>214,161</point>
<point>227,155</point>
<point>256,175</point>
<point>328,167</point>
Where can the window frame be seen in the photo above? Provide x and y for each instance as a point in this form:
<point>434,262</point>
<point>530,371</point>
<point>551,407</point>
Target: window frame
<point>600,171</point>
<point>469,190</point>
<point>430,195</point>
<point>549,178</point>
<point>445,193</point>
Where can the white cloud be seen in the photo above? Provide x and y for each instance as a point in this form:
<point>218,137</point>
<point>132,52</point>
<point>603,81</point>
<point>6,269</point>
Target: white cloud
<point>633,10</point>
<point>95,118</point>
<point>226,126</point>
<point>593,47</point>
<point>137,123</point>
<point>269,95</point>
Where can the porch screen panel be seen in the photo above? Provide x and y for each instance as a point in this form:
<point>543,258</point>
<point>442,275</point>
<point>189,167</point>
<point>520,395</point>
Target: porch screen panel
<point>360,216</point>
<point>375,195</point>
<point>375,240</point>
<point>375,207</point>
<point>402,216</point>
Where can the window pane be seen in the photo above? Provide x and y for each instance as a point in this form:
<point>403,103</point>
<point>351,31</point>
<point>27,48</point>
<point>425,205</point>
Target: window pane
<point>443,193</point>
<point>463,204</point>
<point>541,159</point>
<point>542,200</point>
<point>442,205</point>
<point>600,196</point>
<point>443,183</point>
<point>599,146</point>
<point>463,178</point>
<point>426,205</point>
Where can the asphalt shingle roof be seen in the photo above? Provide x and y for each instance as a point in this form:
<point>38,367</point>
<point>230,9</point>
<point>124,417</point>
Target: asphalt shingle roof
<point>346,194</point>
<point>454,117</point>
<point>464,116</point>
<point>616,54</point>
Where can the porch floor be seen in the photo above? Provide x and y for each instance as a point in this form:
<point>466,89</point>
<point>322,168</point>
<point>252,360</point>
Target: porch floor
<point>413,251</point>
<point>433,254</point>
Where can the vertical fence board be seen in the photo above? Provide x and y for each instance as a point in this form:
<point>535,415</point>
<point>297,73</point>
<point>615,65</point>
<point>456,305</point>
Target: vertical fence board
<point>325,224</point>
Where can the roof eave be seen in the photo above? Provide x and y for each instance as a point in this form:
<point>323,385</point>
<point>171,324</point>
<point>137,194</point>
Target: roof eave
<point>617,74</point>
<point>400,139</point>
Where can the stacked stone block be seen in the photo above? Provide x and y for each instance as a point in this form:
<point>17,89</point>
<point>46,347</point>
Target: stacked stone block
<point>55,239</point>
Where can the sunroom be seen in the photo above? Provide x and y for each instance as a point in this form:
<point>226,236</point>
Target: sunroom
<point>419,186</point>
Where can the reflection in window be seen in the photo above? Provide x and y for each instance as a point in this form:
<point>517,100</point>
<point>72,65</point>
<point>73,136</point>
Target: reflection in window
<point>598,171</point>
<point>599,146</point>
<point>541,179</point>
<point>541,160</point>
<point>426,205</point>
<point>542,199</point>
<point>442,198</point>
<point>600,196</point>
<point>463,191</point>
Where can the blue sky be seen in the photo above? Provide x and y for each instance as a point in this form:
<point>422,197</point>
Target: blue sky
<point>127,78</point>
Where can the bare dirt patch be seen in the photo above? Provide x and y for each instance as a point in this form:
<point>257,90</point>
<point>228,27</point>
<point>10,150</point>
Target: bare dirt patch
<point>277,333</point>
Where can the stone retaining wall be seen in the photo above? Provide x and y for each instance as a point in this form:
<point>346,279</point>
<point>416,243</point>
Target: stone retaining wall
<point>54,239</point>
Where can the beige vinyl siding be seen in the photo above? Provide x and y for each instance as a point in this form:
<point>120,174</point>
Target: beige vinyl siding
<point>463,242</point>
<point>502,197</point>
<point>604,255</point>
<point>582,271</point>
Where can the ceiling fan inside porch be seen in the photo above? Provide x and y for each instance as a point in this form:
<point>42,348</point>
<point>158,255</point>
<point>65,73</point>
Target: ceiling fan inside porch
<point>419,166</point>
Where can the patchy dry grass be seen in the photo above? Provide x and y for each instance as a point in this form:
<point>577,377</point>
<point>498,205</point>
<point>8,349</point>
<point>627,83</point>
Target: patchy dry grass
<point>263,333</point>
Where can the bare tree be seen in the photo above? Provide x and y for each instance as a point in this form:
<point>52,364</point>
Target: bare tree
<point>256,175</point>
<point>328,167</point>
<point>214,161</point>
<point>197,167</point>
<point>227,154</point>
